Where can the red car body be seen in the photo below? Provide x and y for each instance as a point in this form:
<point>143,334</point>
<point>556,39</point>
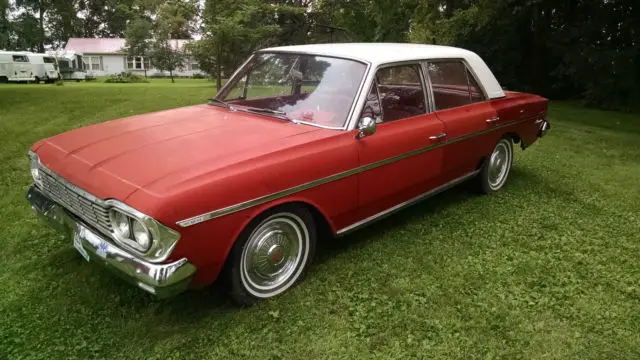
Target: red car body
<point>206,171</point>
<point>176,164</point>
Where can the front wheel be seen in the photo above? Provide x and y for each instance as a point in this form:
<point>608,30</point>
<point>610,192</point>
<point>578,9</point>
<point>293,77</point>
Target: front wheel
<point>272,254</point>
<point>495,170</point>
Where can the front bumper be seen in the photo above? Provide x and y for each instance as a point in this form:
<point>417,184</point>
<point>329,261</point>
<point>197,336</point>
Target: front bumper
<point>163,280</point>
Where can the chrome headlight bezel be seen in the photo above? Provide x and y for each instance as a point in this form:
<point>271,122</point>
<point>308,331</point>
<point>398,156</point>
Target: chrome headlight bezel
<point>34,167</point>
<point>162,238</point>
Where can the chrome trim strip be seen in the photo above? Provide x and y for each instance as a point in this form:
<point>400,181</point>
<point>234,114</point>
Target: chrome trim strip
<point>381,215</point>
<point>311,184</point>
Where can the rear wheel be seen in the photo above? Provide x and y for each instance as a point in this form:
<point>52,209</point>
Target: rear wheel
<point>272,254</point>
<point>495,169</point>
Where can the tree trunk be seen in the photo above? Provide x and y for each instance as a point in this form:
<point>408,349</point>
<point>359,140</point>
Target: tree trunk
<point>171,75</point>
<point>41,24</point>
<point>218,74</point>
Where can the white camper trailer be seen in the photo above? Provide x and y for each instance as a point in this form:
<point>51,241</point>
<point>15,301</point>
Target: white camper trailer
<point>15,67</point>
<point>70,65</point>
<point>44,67</point>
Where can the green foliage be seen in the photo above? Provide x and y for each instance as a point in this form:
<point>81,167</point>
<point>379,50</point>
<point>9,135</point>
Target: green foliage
<point>124,78</point>
<point>572,49</point>
<point>59,82</point>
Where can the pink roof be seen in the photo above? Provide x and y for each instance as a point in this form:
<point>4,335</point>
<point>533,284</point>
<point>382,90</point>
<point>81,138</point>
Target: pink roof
<point>107,45</point>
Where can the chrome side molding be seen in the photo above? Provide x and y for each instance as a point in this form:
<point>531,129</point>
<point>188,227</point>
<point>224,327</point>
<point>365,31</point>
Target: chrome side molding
<point>390,211</point>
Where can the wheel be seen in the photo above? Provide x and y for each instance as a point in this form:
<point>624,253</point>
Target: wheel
<point>495,170</point>
<point>36,80</point>
<point>271,255</point>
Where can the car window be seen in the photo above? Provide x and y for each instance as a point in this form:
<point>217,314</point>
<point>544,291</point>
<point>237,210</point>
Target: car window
<point>401,92</point>
<point>453,85</point>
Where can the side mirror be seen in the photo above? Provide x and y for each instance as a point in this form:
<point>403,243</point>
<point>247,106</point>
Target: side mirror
<point>367,127</point>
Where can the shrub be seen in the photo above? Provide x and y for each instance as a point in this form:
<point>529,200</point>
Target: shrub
<point>125,77</point>
<point>59,82</point>
<point>198,76</point>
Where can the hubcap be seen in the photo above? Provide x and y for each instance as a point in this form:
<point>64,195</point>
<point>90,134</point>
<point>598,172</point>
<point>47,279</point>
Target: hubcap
<point>499,165</point>
<point>274,255</point>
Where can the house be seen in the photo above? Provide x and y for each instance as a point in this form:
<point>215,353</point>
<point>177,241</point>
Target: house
<point>105,56</point>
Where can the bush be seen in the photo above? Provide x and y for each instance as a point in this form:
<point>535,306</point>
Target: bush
<point>198,76</point>
<point>125,77</point>
<point>59,82</point>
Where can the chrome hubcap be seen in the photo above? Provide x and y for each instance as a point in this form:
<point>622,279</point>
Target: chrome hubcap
<point>274,255</point>
<point>499,165</point>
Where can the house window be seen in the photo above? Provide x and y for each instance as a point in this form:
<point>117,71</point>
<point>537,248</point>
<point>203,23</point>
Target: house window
<point>195,66</point>
<point>92,62</point>
<point>138,63</point>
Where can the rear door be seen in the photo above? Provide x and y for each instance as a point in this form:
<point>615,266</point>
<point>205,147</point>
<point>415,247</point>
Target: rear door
<point>404,153</point>
<point>460,103</point>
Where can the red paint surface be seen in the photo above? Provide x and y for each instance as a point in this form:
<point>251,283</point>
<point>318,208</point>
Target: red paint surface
<point>180,163</point>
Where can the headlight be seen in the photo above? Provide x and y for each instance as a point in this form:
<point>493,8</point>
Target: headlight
<point>34,164</point>
<point>141,233</point>
<point>121,225</point>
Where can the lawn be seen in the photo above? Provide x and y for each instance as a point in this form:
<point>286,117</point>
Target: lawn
<point>549,268</point>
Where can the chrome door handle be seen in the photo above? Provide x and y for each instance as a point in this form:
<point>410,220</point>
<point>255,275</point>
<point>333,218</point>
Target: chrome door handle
<point>438,137</point>
<point>492,120</point>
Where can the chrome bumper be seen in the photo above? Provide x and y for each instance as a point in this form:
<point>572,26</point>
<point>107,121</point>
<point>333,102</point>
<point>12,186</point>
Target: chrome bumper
<point>544,128</point>
<point>163,280</point>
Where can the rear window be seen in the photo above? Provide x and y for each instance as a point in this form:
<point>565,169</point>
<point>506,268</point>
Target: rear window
<point>20,58</point>
<point>49,60</point>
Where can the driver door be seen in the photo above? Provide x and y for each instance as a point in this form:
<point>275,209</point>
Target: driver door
<point>404,153</point>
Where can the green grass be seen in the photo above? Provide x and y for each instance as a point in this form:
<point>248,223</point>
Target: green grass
<point>546,269</point>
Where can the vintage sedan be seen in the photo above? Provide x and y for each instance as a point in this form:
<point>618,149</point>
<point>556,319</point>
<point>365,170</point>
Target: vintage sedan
<point>301,143</point>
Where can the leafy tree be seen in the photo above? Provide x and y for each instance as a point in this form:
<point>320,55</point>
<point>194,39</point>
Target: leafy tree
<point>166,57</point>
<point>5,25</point>
<point>137,35</point>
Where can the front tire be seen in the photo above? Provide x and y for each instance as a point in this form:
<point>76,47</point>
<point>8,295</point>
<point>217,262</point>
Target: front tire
<point>272,254</point>
<point>496,168</point>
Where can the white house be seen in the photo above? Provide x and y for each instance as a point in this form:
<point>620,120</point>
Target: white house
<point>105,56</point>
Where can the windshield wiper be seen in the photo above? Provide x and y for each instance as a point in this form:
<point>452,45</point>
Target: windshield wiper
<point>276,113</point>
<point>217,102</point>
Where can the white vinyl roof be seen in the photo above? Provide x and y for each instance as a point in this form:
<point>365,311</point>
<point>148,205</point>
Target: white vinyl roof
<point>383,53</point>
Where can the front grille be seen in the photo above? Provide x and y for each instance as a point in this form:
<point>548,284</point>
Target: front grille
<point>73,199</point>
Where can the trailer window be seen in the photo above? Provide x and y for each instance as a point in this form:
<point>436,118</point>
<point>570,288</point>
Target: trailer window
<point>20,58</point>
<point>49,60</point>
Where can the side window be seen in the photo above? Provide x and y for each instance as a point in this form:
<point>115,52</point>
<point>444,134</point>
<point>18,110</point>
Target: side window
<point>401,92</point>
<point>453,85</point>
<point>20,58</point>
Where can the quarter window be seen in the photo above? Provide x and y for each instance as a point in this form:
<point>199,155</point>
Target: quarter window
<point>453,85</point>
<point>401,92</point>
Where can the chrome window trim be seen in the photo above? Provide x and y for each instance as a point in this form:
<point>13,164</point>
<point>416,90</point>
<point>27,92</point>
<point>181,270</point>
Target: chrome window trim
<point>311,184</point>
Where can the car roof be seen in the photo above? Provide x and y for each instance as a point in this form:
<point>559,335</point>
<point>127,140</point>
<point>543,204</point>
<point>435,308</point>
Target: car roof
<point>378,54</point>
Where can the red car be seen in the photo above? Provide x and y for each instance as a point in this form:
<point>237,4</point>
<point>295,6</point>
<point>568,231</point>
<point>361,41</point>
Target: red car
<point>301,141</point>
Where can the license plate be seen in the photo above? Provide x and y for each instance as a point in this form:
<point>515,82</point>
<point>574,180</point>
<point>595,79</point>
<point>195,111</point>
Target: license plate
<point>77,242</point>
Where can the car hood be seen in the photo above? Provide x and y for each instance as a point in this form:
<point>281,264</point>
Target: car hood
<point>115,158</point>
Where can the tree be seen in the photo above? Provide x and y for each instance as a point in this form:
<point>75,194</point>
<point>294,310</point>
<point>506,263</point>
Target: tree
<point>5,26</point>
<point>137,35</point>
<point>166,57</point>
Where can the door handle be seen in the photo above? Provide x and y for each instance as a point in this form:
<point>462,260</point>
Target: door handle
<point>438,137</point>
<point>492,120</point>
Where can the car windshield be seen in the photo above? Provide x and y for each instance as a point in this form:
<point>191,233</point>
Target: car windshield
<point>307,88</point>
